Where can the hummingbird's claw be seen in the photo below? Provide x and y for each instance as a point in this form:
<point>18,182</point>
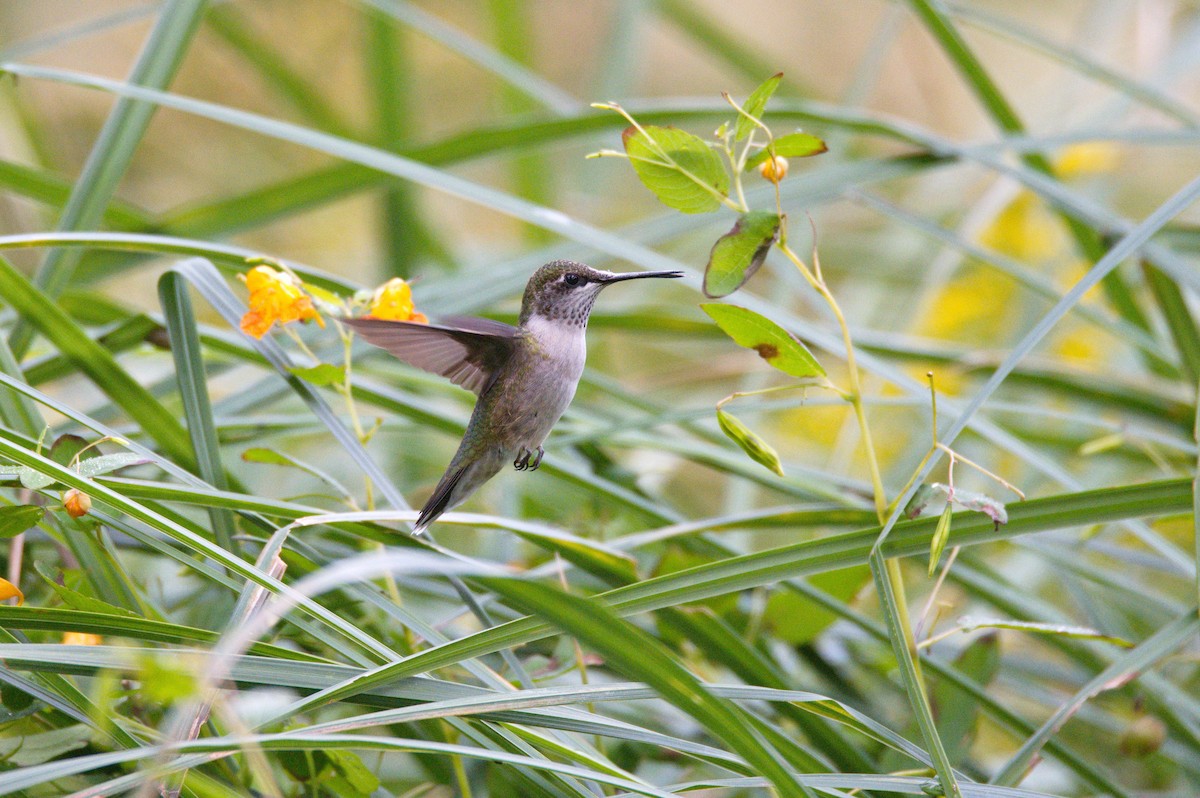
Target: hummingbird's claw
<point>522,461</point>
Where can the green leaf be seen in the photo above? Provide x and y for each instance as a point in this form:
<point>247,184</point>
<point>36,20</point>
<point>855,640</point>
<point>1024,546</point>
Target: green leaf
<point>752,444</point>
<point>17,518</point>
<point>773,343</point>
<point>321,375</point>
<point>105,463</point>
<point>93,360</point>
<point>754,106</point>
<point>67,447</point>
<point>979,502</point>
<point>797,619</point>
<point>957,710</point>
<point>680,168</point>
<point>34,749</point>
<point>353,772</point>
<point>940,535</point>
<point>78,600</point>
<point>793,145</point>
<point>737,255</point>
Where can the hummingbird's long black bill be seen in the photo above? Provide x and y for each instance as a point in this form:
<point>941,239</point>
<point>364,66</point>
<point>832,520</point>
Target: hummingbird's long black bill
<point>616,278</point>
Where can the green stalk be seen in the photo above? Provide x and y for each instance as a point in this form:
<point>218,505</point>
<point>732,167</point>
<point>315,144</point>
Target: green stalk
<point>114,148</point>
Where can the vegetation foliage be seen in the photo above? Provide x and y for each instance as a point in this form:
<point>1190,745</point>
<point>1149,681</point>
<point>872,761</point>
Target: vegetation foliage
<point>894,495</point>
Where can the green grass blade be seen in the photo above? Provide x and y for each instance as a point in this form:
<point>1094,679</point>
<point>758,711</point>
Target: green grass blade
<point>1145,655</point>
<point>637,654</point>
<point>227,22</point>
<point>96,362</point>
<point>1180,321</point>
<point>113,151</point>
<point>197,409</point>
<point>831,553</point>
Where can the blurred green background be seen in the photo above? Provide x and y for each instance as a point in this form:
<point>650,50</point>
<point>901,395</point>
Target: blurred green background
<point>940,237</point>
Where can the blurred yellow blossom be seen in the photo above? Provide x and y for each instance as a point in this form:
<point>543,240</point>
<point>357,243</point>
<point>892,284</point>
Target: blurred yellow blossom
<point>1088,158</point>
<point>275,296</point>
<point>80,639</point>
<point>9,590</point>
<point>393,301</point>
<point>1026,230</point>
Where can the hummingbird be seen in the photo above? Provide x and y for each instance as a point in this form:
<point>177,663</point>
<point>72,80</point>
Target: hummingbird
<point>524,376</point>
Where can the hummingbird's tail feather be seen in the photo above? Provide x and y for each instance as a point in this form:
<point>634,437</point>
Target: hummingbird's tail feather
<point>441,499</point>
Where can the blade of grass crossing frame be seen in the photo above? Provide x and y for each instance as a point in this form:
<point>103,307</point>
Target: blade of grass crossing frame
<point>405,238</point>
<point>96,362</point>
<point>642,657</point>
<point>530,177</point>
<point>1090,243</point>
<point>799,559</point>
<point>231,25</point>
<point>900,636</point>
<point>1159,645</point>
<point>110,156</point>
<point>1180,322</point>
<point>193,389</point>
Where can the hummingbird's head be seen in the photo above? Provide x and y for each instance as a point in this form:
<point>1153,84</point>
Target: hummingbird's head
<point>564,291</point>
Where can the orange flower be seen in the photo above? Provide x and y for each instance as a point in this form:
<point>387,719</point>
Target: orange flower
<point>9,590</point>
<point>774,169</point>
<point>80,639</point>
<point>275,297</point>
<point>77,503</point>
<point>393,301</point>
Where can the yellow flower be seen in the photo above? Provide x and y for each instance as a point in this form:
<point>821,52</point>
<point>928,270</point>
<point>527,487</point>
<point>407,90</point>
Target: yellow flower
<point>393,301</point>
<point>9,590</point>
<point>275,297</point>
<point>1088,158</point>
<point>80,639</point>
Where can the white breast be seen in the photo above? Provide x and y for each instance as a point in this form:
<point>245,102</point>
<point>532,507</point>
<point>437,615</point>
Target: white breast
<point>565,344</point>
<point>566,347</point>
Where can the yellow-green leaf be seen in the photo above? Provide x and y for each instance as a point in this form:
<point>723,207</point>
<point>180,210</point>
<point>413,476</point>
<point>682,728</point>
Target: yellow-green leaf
<point>940,535</point>
<point>738,254</point>
<point>680,168</point>
<point>793,145</point>
<point>321,374</point>
<point>773,343</point>
<point>752,444</point>
<point>754,106</point>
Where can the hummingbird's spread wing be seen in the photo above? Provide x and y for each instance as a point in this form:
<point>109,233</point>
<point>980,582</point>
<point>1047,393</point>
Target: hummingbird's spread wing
<point>468,353</point>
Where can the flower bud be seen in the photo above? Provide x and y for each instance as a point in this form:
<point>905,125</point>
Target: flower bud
<point>77,503</point>
<point>774,169</point>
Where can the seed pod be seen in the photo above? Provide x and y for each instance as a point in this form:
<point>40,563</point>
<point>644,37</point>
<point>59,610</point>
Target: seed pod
<point>752,444</point>
<point>77,503</point>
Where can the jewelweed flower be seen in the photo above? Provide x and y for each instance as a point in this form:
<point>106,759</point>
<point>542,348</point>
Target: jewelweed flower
<point>9,590</point>
<point>393,301</point>
<point>774,169</point>
<point>80,639</point>
<point>77,503</point>
<point>275,296</point>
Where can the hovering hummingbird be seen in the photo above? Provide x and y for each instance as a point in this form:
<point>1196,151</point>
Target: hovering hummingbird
<point>525,376</point>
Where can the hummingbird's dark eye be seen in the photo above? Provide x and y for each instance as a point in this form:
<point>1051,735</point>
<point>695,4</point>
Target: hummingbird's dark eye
<point>573,280</point>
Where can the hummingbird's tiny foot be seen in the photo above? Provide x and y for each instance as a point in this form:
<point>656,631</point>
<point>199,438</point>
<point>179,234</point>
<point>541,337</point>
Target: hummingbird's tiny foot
<point>522,461</point>
<point>537,461</point>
